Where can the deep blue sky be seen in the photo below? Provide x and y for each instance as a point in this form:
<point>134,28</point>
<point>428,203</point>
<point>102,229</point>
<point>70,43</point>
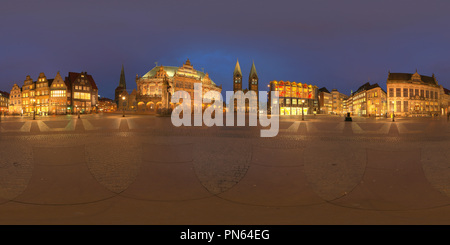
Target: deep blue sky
<point>336,44</point>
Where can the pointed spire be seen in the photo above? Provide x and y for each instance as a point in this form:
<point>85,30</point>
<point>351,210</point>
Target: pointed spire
<point>122,82</point>
<point>237,69</point>
<point>253,71</point>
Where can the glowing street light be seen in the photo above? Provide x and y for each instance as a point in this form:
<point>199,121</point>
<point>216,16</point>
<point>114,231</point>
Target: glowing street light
<point>393,111</point>
<point>123,106</point>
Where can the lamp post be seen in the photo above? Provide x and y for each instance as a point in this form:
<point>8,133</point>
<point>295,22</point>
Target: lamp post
<point>303,113</point>
<point>34,110</point>
<point>123,105</point>
<point>393,111</point>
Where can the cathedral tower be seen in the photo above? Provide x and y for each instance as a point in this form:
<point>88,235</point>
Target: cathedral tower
<point>253,79</point>
<point>121,88</point>
<point>237,78</point>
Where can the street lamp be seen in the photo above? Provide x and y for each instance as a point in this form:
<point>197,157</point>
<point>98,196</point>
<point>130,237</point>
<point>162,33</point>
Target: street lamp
<point>78,112</point>
<point>34,109</point>
<point>303,113</point>
<point>123,106</point>
<point>393,111</point>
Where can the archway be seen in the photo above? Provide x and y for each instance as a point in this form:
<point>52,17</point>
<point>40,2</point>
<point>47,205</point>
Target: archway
<point>150,106</point>
<point>141,106</point>
<point>158,106</point>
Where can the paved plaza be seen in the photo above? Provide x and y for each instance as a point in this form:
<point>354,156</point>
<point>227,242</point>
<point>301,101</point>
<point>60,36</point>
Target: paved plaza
<point>139,169</point>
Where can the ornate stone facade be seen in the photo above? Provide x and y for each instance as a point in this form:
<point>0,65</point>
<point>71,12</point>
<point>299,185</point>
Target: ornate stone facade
<point>413,95</point>
<point>150,87</point>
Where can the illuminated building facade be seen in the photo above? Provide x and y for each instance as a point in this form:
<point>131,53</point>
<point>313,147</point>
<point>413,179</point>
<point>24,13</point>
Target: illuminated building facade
<point>337,99</point>
<point>58,96</point>
<point>149,95</point>
<point>325,101</point>
<point>77,92</point>
<point>106,105</point>
<point>413,95</point>
<point>4,102</point>
<point>15,100</point>
<point>42,94</point>
<point>293,97</point>
<point>82,93</point>
<point>368,100</point>
<point>445,100</point>
<point>28,96</point>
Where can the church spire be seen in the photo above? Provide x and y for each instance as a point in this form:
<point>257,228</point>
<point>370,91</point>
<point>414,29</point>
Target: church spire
<point>237,69</point>
<point>253,71</point>
<point>122,82</point>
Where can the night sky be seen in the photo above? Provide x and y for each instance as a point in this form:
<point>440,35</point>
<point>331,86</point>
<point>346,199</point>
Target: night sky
<point>328,43</point>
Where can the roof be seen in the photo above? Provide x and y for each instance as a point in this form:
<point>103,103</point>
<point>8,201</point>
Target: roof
<point>237,69</point>
<point>446,91</point>
<point>253,71</point>
<point>324,90</point>
<point>408,76</point>
<point>367,86</point>
<point>105,99</point>
<point>171,71</point>
<point>4,94</point>
<point>74,75</point>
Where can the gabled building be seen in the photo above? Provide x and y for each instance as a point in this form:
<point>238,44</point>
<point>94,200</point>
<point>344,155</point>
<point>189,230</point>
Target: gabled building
<point>55,96</point>
<point>42,94</point>
<point>413,94</point>
<point>83,96</point>
<point>59,94</point>
<point>15,101</point>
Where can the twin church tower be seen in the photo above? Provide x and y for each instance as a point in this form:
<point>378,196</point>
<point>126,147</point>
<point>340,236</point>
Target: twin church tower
<point>253,79</point>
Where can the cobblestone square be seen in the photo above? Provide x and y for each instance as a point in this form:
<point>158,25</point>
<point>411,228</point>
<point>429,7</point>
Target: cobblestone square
<point>139,169</point>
